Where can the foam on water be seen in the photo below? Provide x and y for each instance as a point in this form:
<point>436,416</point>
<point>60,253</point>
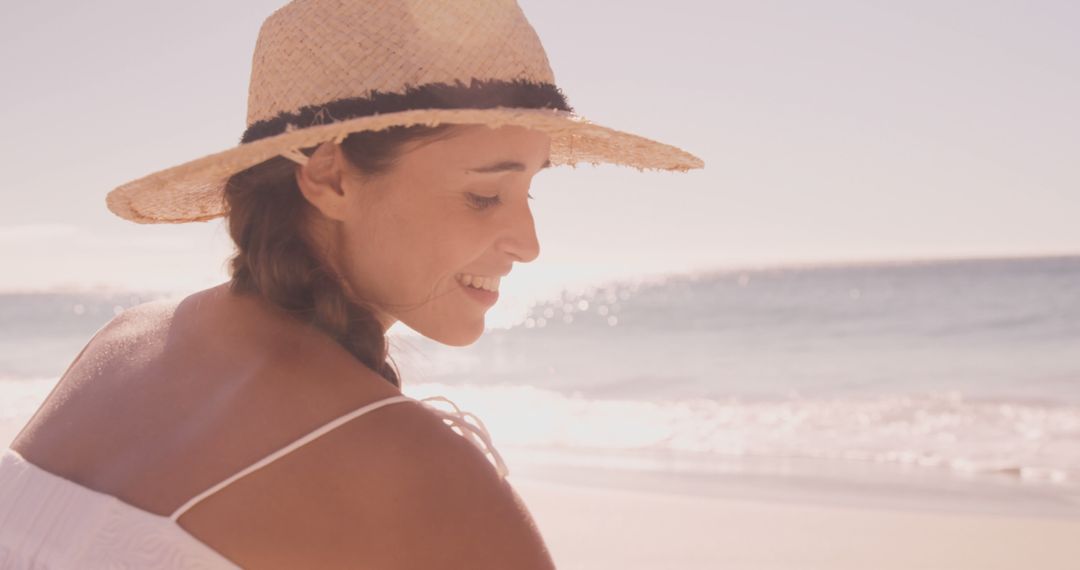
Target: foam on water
<point>1037,443</point>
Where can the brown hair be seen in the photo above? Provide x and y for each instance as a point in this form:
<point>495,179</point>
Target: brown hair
<point>275,259</point>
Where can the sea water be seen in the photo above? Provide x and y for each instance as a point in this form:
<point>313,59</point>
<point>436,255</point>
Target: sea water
<point>950,381</point>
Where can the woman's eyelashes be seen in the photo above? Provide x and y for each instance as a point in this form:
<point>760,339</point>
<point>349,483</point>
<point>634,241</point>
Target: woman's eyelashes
<point>485,202</point>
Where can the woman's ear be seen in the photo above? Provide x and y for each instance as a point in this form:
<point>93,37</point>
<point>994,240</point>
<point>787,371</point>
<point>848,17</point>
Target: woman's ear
<point>320,180</point>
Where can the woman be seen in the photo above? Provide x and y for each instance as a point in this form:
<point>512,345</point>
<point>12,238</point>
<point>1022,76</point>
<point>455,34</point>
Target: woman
<point>383,177</point>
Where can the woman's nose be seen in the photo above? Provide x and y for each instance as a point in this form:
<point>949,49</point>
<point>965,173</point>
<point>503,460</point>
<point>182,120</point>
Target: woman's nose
<point>520,239</point>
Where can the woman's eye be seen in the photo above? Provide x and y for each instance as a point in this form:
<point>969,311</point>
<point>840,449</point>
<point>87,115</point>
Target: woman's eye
<point>485,202</point>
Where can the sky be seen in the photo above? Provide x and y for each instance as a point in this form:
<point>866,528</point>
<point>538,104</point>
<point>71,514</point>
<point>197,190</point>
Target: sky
<point>832,131</point>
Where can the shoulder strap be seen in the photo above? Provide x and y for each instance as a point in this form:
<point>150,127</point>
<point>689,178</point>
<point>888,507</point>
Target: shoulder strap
<point>288,448</point>
<point>477,434</point>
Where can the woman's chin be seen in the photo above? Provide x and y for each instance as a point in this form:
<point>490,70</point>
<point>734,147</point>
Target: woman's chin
<point>462,336</point>
<point>459,343</point>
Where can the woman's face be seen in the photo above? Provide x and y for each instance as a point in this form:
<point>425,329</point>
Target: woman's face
<point>448,207</point>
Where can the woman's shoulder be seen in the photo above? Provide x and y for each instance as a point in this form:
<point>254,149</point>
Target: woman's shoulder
<point>393,489</point>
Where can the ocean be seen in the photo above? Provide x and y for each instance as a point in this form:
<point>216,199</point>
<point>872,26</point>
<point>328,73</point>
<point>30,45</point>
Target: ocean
<point>938,384</point>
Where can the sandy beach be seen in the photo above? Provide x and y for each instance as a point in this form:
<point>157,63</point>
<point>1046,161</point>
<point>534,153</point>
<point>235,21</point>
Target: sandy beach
<point>590,528</point>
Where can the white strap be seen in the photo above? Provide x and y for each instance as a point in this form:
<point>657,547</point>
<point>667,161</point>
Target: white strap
<point>477,434</point>
<point>284,450</point>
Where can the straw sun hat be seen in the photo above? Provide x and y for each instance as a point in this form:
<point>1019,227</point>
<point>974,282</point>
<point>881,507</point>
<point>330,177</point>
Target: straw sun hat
<point>323,69</point>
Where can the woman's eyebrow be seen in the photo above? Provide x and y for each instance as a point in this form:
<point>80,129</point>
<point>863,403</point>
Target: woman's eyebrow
<point>504,166</point>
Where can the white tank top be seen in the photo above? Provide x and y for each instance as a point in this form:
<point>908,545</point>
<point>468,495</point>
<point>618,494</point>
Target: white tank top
<point>48,522</point>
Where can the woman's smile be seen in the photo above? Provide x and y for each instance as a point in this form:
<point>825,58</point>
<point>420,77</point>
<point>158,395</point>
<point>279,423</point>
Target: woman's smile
<point>485,296</point>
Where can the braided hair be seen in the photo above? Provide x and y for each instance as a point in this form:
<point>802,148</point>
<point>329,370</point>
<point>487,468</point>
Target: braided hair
<point>275,259</point>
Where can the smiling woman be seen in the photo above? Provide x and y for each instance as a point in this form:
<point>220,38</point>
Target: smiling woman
<point>384,176</point>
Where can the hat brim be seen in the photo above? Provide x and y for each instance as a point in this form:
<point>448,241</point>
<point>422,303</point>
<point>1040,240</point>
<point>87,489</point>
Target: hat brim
<point>192,191</point>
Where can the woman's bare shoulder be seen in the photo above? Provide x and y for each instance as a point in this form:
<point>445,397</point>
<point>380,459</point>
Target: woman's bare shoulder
<point>463,513</point>
<point>396,488</point>
<point>123,340</point>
